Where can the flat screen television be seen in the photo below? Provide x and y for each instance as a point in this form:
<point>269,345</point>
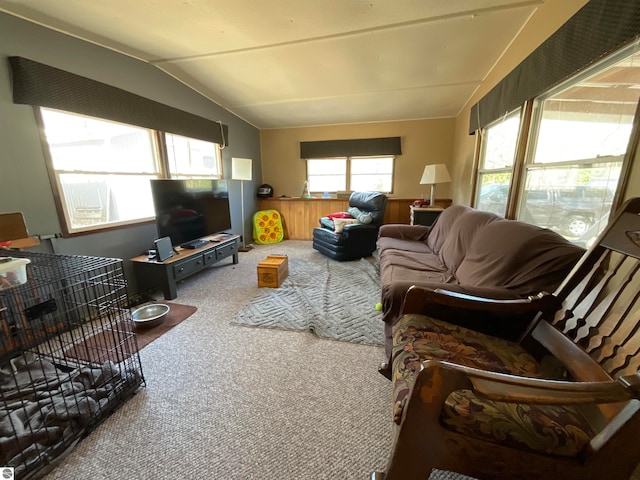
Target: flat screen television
<point>189,209</point>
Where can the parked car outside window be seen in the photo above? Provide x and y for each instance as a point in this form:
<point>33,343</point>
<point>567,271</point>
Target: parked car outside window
<point>571,211</point>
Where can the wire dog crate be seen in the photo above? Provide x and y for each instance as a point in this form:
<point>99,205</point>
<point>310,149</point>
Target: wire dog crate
<point>68,356</point>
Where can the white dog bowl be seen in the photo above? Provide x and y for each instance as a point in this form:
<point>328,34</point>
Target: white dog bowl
<point>150,315</point>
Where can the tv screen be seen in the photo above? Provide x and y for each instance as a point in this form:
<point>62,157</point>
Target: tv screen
<point>189,209</point>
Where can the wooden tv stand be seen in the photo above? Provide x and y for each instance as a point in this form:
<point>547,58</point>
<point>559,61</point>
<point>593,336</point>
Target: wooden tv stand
<point>165,275</point>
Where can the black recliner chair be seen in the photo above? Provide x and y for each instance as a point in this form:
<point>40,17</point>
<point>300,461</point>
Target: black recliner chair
<point>356,240</point>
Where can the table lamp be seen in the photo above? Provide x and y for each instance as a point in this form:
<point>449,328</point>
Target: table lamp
<point>433,174</point>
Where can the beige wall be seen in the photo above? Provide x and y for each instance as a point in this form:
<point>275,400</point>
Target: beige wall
<point>423,142</point>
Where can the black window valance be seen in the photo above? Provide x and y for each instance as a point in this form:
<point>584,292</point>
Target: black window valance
<point>351,148</point>
<point>598,29</point>
<point>45,86</point>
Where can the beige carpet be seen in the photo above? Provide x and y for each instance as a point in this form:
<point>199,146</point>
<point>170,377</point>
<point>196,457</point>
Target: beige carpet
<point>227,402</point>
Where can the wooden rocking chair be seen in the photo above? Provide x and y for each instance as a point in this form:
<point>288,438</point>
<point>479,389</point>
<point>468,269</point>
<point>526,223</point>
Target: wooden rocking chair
<point>561,403</point>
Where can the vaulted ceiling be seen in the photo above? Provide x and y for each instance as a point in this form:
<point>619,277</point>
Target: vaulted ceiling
<point>289,63</point>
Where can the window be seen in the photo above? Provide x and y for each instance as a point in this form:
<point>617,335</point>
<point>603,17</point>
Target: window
<point>351,174</point>
<point>564,174</point>
<point>580,134</point>
<point>188,157</point>
<point>371,174</point>
<point>499,141</point>
<point>327,174</point>
<point>101,169</point>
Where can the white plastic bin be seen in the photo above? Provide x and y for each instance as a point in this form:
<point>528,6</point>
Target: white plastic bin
<point>13,272</point>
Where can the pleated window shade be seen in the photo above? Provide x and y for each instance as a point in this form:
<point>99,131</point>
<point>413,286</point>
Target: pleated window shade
<point>598,29</point>
<point>366,147</point>
<point>45,86</point>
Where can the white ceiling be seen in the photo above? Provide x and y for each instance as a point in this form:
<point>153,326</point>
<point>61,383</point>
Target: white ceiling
<point>289,63</point>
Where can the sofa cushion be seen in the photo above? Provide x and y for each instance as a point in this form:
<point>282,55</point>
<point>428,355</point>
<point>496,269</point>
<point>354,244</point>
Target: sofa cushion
<point>442,226</point>
<point>417,338</point>
<point>411,237</point>
<point>401,244</point>
<point>462,236</point>
<point>551,429</point>
<point>517,256</point>
<point>555,430</point>
<point>414,269</point>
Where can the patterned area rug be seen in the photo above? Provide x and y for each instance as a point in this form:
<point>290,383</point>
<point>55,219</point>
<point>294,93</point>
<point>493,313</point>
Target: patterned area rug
<point>327,298</point>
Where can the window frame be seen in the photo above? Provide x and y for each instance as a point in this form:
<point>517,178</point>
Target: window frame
<point>165,159</point>
<point>345,173</point>
<point>348,170</point>
<point>161,170</point>
<point>529,133</point>
<point>520,112</point>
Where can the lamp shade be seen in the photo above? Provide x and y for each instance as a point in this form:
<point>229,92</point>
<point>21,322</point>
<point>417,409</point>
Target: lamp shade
<point>240,168</point>
<point>433,174</point>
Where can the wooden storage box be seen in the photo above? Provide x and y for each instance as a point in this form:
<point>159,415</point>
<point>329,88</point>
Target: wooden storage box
<point>272,271</point>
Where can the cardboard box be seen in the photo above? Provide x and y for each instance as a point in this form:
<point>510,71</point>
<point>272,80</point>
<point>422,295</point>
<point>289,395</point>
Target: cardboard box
<point>272,271</point>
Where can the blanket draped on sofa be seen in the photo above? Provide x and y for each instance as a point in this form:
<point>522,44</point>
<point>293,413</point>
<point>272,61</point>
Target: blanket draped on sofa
<point>470,251</point>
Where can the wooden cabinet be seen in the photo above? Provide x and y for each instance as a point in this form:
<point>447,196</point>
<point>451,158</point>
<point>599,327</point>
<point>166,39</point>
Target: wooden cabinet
<point>424,215</point>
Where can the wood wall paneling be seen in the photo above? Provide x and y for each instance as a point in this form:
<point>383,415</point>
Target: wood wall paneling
<point>301,215</point>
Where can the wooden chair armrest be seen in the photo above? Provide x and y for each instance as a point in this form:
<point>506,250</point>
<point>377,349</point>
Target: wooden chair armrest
<point>418,298</point>
<point>631,382</point>
<point>511,388</point>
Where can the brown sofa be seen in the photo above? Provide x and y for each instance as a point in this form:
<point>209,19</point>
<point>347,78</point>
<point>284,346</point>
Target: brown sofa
<point>473,252</point>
